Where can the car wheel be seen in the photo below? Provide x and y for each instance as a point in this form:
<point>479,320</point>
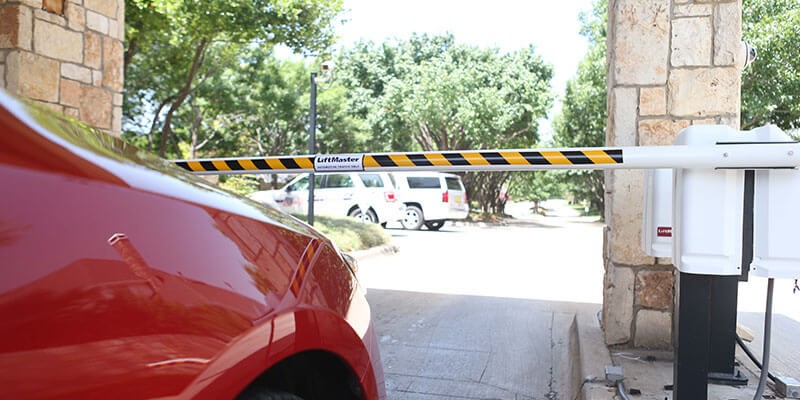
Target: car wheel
<point>267,395</point>
<point>434,225</point>
<point>369,216</point>
<point>412,219</point>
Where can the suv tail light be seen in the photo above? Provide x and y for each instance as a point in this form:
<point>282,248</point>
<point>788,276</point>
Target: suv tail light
<point>445,196</point>
<point>389,197</point>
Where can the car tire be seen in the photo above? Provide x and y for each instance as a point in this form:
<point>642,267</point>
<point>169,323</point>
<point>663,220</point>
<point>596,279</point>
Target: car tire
<point>413,218</point>
<point>370,215</point>
<point>267,395</point>
<point>434,225</point>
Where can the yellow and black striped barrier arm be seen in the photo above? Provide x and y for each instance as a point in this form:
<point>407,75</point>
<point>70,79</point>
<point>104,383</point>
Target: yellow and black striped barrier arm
<point>502,158</point>
<point>721,155</point>
<point>480,160</point>
<point>248,165</point>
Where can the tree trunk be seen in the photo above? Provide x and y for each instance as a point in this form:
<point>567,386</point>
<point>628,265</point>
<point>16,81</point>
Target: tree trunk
<point>197,122</point>
<point>180,98</point>
<point>485,189</point>
<point>129,53</point>
<point>155,122</point>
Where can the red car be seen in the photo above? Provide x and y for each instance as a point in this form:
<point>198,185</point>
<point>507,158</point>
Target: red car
<point>123,277</point>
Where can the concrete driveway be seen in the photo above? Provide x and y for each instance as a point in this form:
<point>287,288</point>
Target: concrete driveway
<point>481,312</point>
<point>488,312</point>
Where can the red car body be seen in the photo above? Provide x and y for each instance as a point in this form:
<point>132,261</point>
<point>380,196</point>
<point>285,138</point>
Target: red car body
<point>123,277</point>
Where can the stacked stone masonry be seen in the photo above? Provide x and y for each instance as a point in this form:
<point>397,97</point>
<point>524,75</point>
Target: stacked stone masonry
<point>672,64</point>
<point>66,55</point>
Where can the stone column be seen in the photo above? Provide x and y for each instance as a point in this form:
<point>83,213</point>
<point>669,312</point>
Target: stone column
<point>66,55</point>
<point>672,63</point>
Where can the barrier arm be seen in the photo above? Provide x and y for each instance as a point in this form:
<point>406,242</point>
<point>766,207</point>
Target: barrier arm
<point>716,211</point>
<point>732,155</point>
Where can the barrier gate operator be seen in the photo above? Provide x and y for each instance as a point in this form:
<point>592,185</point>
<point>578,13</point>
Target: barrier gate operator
<point>721,203</point>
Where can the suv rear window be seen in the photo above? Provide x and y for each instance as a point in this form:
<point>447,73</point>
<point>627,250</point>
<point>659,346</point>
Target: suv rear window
<point>453,184</point>
<point>338,181</point>
<point>371,180</point>
<point>302,183</point>
<point>419,182</point>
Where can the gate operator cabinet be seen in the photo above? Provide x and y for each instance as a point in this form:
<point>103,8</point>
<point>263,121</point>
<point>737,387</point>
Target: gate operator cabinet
<point>695,216</point>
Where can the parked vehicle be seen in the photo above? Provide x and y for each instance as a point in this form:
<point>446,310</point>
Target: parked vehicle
<point>126,278</point>
<point>368,196</point>
<point>431,198</point>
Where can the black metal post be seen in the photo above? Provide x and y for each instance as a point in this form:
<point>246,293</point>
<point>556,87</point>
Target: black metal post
<point>722,345</point>
<point>312,144</point>
<point>692,330</point>
<point>724,299</point>
<point>747,223</point>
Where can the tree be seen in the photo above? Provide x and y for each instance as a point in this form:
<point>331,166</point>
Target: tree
<point>169,44</point>
<point>771,86</point>
<point>582,120</point>
<point>581,123</point>
<point>536,186</point>
<point>429,93</point>
<point>254,106</point>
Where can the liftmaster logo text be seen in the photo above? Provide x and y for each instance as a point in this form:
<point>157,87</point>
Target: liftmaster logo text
<point>339,162</point>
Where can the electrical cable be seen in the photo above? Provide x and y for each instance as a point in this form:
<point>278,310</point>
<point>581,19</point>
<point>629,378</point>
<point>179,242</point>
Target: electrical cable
<point>621,391</point>
<point>767,339</point>
<point>752,357</point>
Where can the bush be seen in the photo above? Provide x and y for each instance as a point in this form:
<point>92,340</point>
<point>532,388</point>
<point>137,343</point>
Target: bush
<point>240,184</point>
<point>349,234</point>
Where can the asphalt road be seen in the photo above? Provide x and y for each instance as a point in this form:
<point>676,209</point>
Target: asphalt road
<point>474,312</point>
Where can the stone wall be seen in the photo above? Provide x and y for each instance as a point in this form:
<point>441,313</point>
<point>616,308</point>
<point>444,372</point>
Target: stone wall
<point>66,55</point>
<point>672,63</point>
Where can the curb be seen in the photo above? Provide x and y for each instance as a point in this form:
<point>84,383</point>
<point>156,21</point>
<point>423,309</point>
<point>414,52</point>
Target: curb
<point>386,249</point>
<point>593,356</point>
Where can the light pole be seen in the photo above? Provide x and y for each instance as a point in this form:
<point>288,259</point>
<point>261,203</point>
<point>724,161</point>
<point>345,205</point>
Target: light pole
<point>327,68</point>
<point>312,144</point>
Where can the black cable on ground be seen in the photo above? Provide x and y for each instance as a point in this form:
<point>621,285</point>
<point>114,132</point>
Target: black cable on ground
<point>752,356</point>
<point>762,381</point>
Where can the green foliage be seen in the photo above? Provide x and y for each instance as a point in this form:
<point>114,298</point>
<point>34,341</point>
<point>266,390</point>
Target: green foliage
<point>240,184</point>
<point>771,85</point>
<point>176,50</point>
<point>430,93</point>
<point>582,121</point>
<point>254,106</point>
<point>537,186</point>
<point>348,233</point>
<point>433,94</point>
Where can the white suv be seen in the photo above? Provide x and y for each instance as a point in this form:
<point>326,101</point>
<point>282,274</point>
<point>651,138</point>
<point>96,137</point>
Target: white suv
<point>340,194</point>
<point>431,198</point>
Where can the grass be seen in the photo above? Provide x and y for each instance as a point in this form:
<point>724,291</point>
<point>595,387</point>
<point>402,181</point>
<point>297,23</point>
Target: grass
<point>580,208</point>
<point>348,233</point>
<point>480,216</point>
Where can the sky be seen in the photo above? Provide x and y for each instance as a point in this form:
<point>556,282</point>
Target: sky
<point>551,26</point>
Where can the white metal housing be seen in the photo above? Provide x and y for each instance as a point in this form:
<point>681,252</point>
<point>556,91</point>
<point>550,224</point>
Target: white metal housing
<point>707,213</point>
<point>776,248</point>
<point>657,215</point>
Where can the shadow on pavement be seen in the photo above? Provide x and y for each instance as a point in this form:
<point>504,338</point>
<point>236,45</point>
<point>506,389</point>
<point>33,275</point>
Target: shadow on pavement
<point>444,346</point>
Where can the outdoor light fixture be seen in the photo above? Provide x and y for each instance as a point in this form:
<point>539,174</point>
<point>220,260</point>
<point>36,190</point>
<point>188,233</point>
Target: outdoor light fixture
<point>748,53</point>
